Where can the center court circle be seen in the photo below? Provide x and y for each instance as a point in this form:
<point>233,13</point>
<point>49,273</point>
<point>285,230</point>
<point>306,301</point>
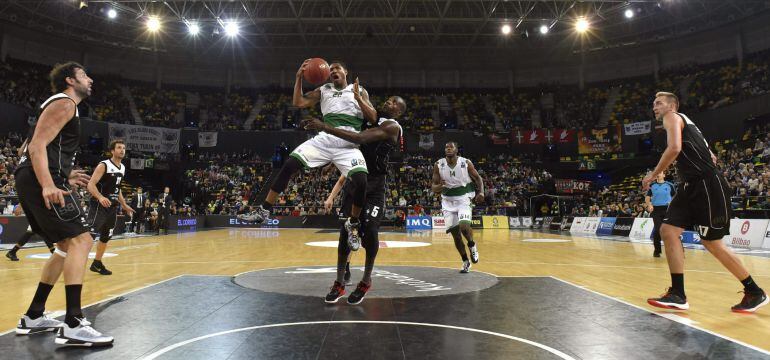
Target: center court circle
<point>388,281</point>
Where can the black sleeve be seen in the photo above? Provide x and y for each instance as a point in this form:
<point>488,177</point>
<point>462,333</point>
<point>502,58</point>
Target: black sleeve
<point>673,189</point>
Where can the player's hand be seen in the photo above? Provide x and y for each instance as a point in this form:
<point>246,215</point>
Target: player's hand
<point>105,202</point>
<point>302,68</point>
<point>356,90</point>
<point>53,195</point>
<point>650,208</point>
<point>313,124</point>
<point>479,198</point>
<point>328,206</point>
<point>78,178</point>
<point>647,181</point>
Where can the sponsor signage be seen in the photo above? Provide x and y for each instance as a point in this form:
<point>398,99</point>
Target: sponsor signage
<point>419,222</point>
<point>495,222</point>
<point>642,228</point>
<point>690,237</point>
<point>572,186</point>
<point>747,233</point>
<point>600,141</point>
<point>578,225</point>
<point>605,226</point>
<point>514,222</point>
<point>438,222</point>
<point>526,222</point>
<point>623,226</point>
<point>476,222</point>
<point>592,225</point>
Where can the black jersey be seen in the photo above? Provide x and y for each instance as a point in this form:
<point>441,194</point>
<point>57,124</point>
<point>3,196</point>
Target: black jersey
<point>694,161</point>
<point>63,148</point>
<point>376,154</point>
<point>109,184</point>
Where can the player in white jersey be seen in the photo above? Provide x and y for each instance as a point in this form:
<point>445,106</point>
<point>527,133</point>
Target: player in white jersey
<point>343,106</point>
<point>453,178</point>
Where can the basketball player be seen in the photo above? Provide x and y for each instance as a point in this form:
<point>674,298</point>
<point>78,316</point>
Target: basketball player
<point>105,197</point>
<point>453,178</point>
<point>702,201</point>
<point>376,144</point>
<point>657,199</point>
<point>343,106</point>
<point>42,182</point>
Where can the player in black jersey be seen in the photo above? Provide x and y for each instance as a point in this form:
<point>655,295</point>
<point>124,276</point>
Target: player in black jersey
<point>702,201</point>
<point>377,142</point>
<point>105,198</point>
<point>43,182</point>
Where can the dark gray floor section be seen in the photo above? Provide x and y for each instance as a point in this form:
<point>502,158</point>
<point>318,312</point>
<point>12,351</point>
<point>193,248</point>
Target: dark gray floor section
<point>577,322</point>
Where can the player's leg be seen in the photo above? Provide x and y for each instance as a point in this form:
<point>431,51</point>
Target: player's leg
<point>343,251</point>
<point>371,242</point>
<point>464,214</point>
<point>351,162</point>
<point>11,254</point>
<point>35,320</point>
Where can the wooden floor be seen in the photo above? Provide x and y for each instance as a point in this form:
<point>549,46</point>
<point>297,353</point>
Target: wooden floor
<point>622,270</point>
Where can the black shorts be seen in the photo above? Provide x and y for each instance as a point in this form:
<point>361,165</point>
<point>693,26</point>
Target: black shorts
<point>101,219</point>
<point>702,205</point>
<point>56,224</point>
<point>375,200</point>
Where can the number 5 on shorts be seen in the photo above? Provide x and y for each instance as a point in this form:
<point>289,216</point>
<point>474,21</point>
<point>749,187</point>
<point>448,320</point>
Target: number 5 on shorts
<point>375,211</point>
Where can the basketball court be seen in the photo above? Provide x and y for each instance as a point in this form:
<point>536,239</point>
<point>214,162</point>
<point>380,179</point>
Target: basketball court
<point>258,293</point>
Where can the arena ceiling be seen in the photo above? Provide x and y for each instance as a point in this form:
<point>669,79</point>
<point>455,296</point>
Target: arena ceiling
<point>377,25</point>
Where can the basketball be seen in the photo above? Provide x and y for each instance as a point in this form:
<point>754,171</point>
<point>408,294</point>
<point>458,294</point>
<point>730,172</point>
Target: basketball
<point>317,71</point>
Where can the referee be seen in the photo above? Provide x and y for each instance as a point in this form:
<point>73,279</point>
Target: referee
<point>658,197</point>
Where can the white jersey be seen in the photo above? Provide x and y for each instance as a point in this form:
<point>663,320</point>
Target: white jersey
<point>341,110</point>
<point>457,180</point>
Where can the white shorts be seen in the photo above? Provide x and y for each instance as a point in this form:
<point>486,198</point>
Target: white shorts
<point>456,210</point>
<point>313,153</point>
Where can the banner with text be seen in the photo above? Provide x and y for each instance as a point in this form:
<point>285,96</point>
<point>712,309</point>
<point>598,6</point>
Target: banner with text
<point>747,233</point>
<point>146,138</point>
<point>572,186</point>
<point>207,139</point>
<point>598,141</point>
<point>638,128</point>
<point>495,222</point>
<point>642,228</point>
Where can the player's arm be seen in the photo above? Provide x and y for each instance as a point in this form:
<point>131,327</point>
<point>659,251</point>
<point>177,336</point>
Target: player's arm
<point>437,186</point>
<point>333,195</point>
<point>362,97</point>
<point>123,203</point>
<point>95,177</point>
<point>672,123</point>
<point>51,122</point>
<point>308,99</point>
<point>387,131</point>
<point>648,200</point>
<point>478,180</point>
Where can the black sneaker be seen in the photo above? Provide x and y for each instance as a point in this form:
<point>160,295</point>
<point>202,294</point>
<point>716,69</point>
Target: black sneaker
<point>99,268</point>
<point>11,256</point>
<point>337,291</point>
<point>751,302</point>
<point>656,254</point>
<point>357,296</point>
<point>670,300</point>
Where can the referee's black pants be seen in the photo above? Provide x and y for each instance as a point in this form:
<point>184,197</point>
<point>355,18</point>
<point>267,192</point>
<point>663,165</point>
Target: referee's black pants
<point>658,213</point>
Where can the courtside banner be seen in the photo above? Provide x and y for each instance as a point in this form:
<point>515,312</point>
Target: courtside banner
<point>747,233</point>
<point>514,222</point>
<point>642,228</point>
<point>591,225</point>
<point>494,222</point>
<point>690,237</point>
<point>605,226</point>
<point>622,226</point>
<point>419,222</point>
<point>526,222</point>
<point>566,223</point>
<point>476,222</point>
<point>766,243</point>
<point>438,222</point>
<point>547,222</point>
<point>578,225</point>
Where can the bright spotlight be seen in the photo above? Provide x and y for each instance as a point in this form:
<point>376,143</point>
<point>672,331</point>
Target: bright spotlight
<point>629,13</point>
<point>506,29</point>
<point>153,24</point>
<point>581,25</point>
<point>231,28</point>
<point>544,29</point>
<point>193,28</point>
<point>111,13</point>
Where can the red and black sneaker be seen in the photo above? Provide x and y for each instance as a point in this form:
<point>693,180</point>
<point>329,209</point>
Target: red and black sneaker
<point>752,300</point>
<point>670,300</point>
<point>337,291</point>
<point>357,296</point>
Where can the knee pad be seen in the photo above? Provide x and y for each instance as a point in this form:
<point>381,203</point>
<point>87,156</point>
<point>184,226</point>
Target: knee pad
<point>60,253</point>
<point>359,184</point>
<point>291,167</point>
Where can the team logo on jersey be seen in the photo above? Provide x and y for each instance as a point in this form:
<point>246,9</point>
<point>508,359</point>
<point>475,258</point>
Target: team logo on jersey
<point>357,162</point>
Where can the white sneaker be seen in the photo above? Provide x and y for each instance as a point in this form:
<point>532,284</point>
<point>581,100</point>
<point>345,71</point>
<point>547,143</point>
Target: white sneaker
<point>82,335</point>
<point>354,237</point>
<point>28,326</point>
<point>474,254</point>
<point>466,267</point>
